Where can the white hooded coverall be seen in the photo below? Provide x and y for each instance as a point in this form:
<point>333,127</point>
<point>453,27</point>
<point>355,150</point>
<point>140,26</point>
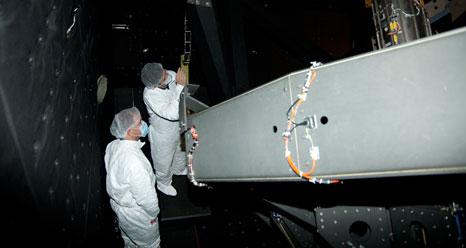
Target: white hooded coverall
<point>164,135</point>
<point>131,187</point>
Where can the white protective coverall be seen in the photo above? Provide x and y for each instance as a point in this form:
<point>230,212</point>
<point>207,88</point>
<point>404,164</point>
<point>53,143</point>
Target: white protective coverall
<point>131,187</point>
<point>164,135</point>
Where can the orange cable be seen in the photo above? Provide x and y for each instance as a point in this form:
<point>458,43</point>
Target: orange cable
<point>288,127</point>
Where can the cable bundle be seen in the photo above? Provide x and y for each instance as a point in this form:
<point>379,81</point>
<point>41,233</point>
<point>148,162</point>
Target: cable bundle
<point>190,158</point>
<point>292,125</point>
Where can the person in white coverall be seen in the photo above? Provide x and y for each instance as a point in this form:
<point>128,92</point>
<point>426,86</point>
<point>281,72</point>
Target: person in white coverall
<point>131,182</point>
<point>162,96</point>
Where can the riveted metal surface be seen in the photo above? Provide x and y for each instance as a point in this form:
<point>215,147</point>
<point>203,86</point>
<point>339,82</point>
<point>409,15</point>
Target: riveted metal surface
<point>430,226</point>
<point>354,226</point>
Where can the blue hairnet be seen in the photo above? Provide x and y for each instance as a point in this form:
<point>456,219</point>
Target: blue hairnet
<point>151,74</point>
<point>123,121</point>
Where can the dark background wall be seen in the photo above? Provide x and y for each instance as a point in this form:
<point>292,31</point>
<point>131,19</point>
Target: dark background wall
<point>52,170</point>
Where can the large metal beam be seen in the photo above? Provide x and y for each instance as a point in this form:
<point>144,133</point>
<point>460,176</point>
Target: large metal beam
<point>395,112</point>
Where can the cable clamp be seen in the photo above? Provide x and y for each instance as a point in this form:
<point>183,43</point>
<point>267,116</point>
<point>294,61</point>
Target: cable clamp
<point>315,64</point>
<point>286,134</point>
<point>315,153</point>
<point>303,97</point>
<point>287,153</point>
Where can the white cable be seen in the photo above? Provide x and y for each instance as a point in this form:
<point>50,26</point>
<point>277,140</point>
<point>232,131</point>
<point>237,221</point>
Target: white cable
<point>406,14</point>
<point>68,31</point>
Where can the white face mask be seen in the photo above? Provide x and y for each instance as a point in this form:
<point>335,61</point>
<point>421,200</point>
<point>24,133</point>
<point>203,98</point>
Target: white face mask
<point>166,83</point>
<point>168,80</point>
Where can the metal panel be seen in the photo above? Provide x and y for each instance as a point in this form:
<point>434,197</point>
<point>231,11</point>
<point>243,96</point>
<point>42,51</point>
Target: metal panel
<point>431,226</point>
<point>393,112</point>
<point>191,102</point>
<point>194,104</point>
<point>354,226</point>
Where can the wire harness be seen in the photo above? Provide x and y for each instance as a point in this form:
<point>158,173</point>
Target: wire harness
<point>291,125</point>
<point>190,158</point>
<point>407,15</point>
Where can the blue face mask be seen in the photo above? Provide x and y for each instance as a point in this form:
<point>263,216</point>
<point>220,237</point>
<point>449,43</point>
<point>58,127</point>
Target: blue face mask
<point>144,129</point>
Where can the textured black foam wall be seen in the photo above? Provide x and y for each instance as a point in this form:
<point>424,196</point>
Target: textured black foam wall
<point>52,174</point>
